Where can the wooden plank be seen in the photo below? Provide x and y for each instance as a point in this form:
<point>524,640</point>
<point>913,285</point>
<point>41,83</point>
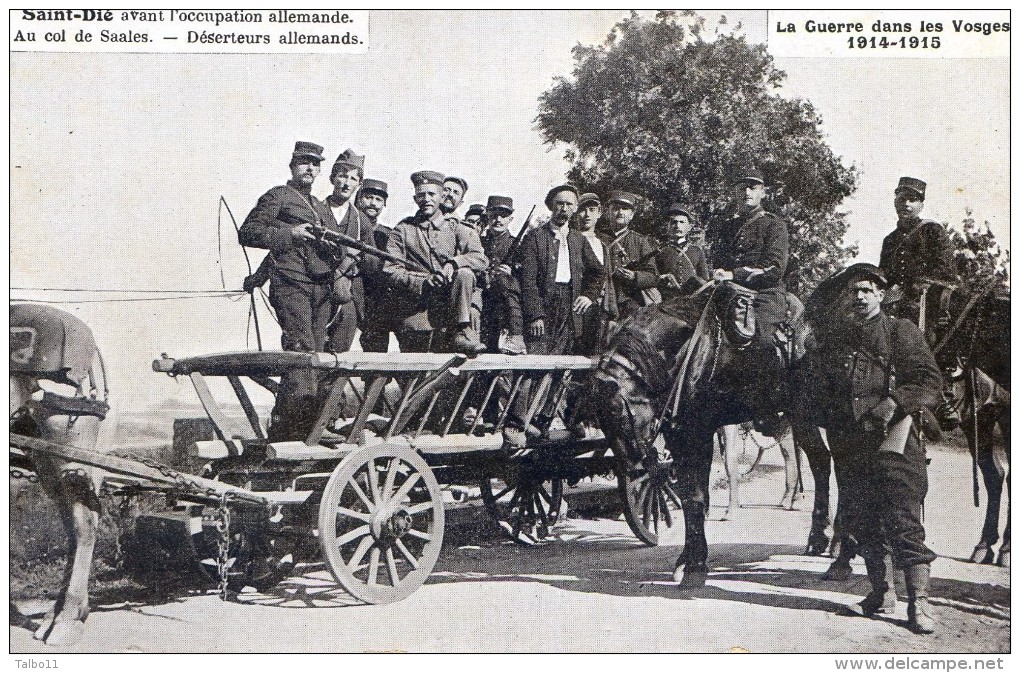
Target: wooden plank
<point>267,383</point>
<point>537,399</point>
<point>198,486</point>
<point>460,400</point>
<point>226,428</point>
<point>249,408</point>
<point>371,397</point>
<point>336,395</point>
<point>485,403</point>
<point>241,363</point>
<point>419,362</point>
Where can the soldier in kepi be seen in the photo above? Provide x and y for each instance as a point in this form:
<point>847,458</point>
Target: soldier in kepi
<point>380,316</point>
<point>301,274</point>
<point>441,257</point>
<point>751,248</point>
<point>502,321</point>
<point>875,385</point>
<point>631,268</point>
<point>474,216</point>
<point>339,213</point>
<point>917,258</point>
<point>682,264</point>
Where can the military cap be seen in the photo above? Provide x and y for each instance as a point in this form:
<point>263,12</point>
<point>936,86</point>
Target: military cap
<point>476,209</point>
<point>349,158</point>
<point>306,149</point>
<point>681,209</point>
<point>587,199</point>
<point>913,185</point>
<point>427,178</point>
<point>865,271</point>
<point>567,187</point>
<point>375,186</point>
<point>747,174</point>
<point>460,181</point>
<point>500,203</point>
<point>626,198</point>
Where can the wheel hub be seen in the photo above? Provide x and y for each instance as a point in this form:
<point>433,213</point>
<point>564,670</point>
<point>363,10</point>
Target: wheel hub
<point>390,524</point>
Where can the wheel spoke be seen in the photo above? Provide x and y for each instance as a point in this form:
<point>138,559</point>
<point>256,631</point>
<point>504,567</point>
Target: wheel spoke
<point>646,507</point>
<point>353,483</point>
<point>353,535</point>
<point>391,474</point>
<point>542,513</point>
<point>668,488</point>
<point>373,566</point>
<point>499,496</point>
<point>421,535</point>
<point>654,497</point>
<point>419,508</point>
<point>361,516</point>
<point>542,493</point>
<point>406,553</point>
<point>405,488</point>
<point>373,480</point>
<point>355,563</point>
<point>665,509</point>
<point>391,567</point>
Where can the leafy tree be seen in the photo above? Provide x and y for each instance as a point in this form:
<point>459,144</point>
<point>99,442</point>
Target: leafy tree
<point>669,111</point>
<point>980,259</point>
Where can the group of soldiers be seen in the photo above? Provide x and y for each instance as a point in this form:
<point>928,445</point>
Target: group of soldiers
<point>439,281</point>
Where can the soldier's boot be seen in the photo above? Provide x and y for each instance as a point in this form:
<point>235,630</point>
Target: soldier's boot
<point>882,597</point>
<point>920,618</point>
<point>467,342</point>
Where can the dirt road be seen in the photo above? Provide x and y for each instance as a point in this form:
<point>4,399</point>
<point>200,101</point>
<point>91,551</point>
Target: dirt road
<point>596,589</point>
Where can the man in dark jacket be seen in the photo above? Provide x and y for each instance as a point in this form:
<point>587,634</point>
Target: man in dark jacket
<point>682,264</point>
<point>301,281</point>
<point>875,377</point>
<point>501,296</point>
<point>560,277</point>
<point>381,316</point>
<point>631,268</point>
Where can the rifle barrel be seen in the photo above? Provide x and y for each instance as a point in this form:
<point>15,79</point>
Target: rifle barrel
<point>338,237</point>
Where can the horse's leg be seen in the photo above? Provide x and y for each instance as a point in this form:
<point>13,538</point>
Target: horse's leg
<point>788,447</point>
<point>694,467</point>
<point>1004,550</point>
<point>69,623</point>
<point>808,438</point>
<point>983,447</point>
<point>728,441</point>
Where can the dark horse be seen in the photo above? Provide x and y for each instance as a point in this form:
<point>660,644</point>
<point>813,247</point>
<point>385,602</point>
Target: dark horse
<point>678,371</point>
<point>978,344</point>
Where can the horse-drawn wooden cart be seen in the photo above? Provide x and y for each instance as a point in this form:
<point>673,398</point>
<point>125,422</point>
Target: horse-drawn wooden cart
<point>363,488</point>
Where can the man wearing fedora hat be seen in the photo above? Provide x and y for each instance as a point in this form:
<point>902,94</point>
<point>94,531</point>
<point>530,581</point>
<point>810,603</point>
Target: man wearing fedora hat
<point>875,379</point>
<point>682,264</point>
<point>631,269</point>
<point>340,213</point>
<point>301,277</point>
<point>444,256</point>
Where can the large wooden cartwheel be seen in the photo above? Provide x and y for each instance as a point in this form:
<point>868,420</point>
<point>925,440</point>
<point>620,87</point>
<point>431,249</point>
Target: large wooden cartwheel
<point>651,503</point>
<point>523,501</point>
<point>381,523</point>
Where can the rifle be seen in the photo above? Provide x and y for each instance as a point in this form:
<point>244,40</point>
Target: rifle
<point>336,239</point>
<point>519,237</point>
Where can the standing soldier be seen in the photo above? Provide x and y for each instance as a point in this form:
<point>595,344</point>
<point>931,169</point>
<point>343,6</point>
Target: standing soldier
<point>501,297</point>
<point>632,272</point>
<point>875,375</point>
<point>341,214</point>
<point>681,262</point>
<point>560,277</point>
<point>442,258</point>
<point>301,282</point>
<point>917,257</point>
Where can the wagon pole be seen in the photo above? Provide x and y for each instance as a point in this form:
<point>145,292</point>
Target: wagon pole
<point>189,484</point>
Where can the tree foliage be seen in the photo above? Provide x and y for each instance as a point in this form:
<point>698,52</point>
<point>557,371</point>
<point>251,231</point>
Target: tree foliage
<point>980,259</point>
<point>669,111</point>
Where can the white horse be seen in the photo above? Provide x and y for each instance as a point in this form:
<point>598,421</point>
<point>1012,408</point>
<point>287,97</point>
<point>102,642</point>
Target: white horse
<point>59,393</point>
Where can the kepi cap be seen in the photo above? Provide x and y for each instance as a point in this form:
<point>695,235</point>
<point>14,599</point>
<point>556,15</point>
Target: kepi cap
<point>500,203</point>
<point>912,184</point>
<point>747,174</point>
<point>475,209</point>
<point>460,181</point>
<point>865,271</point>
<point>626,198</point>
<point>587,199</point>
<point>375,186</point>
<point>681,209</point>
<point>306,149</point>
<point>427,178</point>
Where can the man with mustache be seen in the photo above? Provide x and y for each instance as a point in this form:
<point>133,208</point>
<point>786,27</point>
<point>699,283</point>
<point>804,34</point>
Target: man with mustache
<point>681,258</point>
<point>444,257</point>
<point>501,296</point>
<point>340,213</point>
<point>631,266</point>
<point>877,383</point>
<point>301,277</point>
<point>381,302</point>
<point>454,191</point>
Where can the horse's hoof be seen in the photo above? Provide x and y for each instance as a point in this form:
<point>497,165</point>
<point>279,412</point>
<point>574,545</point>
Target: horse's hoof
<point>786,503</point>
<point>838,572</point>
<point>690,579</point>
<point>66,633</point>
<point>44,628</point>
<point>816,546</point>
<point>1003,559</point>
<point>982,554</point>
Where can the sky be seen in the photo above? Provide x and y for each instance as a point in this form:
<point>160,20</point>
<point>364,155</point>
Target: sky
<point>118,161</point>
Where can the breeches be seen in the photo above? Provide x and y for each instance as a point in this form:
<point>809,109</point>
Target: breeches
<point>450,306</point>
<point>884,496</point>
<point>558,337</point>
<point>501,309</point>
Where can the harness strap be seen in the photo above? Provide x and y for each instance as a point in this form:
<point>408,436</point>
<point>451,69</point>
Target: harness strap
<point>678,383</point>
<point>971,303</point>
<point>62,405</point>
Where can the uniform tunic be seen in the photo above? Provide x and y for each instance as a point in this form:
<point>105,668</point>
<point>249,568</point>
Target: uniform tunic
<point>501,297</point>
<point>347,318</point>
<point>914,253</point>
<point>688,266</point>
<point>627,250</point>
<point>854,369</point>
